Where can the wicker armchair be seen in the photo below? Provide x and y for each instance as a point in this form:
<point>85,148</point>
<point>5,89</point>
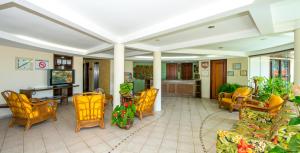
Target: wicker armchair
<point>89,109</point>
<point>145,102</point>
<point>26,111</point>
<point>234,100</point>
<point>272,107</point>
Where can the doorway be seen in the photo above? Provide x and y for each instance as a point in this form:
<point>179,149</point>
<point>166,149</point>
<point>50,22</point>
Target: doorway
<point>86,78</point>
<point>218,76</point>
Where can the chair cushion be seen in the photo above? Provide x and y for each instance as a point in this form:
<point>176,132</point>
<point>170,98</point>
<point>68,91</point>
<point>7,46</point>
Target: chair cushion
<point>227,100</point>
<point>243,91</point>
<point>274,101</point>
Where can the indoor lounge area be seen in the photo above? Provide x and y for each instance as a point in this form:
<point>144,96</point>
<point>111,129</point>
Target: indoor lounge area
<point>172,76</point>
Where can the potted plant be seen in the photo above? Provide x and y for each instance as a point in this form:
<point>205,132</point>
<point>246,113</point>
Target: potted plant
<point>123,115</point>
<point>276,86</point>
<point>126,88</point>
<point>227,87</point>
<point>296,100</point>
<point>257,80</point>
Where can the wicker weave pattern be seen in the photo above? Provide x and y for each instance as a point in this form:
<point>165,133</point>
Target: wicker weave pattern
<point>25,112</point>
<point>89,108</point>
<point>144,105</point>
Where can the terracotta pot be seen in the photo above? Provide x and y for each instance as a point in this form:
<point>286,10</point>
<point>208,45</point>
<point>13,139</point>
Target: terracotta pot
<point>128,125</point>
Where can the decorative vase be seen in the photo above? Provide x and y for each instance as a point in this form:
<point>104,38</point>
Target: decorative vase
<point>128,125</point>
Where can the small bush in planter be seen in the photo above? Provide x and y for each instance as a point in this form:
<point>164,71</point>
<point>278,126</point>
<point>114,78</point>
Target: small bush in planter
<point>123,115</point>
<point>126,88</point>
<point>229,88</point>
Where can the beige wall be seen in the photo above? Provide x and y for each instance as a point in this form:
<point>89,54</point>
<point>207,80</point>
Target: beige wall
<point>12,79</point>
<point>237,78</point>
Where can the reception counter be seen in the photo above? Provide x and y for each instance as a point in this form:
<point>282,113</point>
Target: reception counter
<point>181,88</point>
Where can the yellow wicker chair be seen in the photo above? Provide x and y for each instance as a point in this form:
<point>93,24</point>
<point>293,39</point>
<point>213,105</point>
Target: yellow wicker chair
<point>144,104</point>
<point>89,109</point>
<point>26,111</point>
<point>234,100</point>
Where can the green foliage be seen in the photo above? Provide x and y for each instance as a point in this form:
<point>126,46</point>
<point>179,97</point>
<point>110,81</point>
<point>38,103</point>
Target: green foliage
<point>258,79</point>
<point>126,88</point>
<point>276,86</point>
<point>227,87</point>
<point>294,144</point>
<point>277,149</point>
<point>123,114</point>
<point>294,121</point>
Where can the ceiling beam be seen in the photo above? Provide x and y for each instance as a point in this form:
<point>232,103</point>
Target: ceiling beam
<point>10,37</point>
<point>135,53</point>
<point>272,49</point>
<point>141,46</point>
<point>67,20</point>
<point>262,17</point>
<point>98,49</point>
<point>211,40</point>
<point>208,52</point>
<point>100,56</point>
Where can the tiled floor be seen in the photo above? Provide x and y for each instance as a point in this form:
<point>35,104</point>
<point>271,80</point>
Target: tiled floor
<point>175,129</point>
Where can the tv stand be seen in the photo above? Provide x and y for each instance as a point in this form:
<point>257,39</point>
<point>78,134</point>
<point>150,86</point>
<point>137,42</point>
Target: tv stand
<point>59,92</point>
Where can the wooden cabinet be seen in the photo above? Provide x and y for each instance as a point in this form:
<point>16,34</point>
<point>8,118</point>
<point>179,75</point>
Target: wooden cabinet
<point>63,62</point>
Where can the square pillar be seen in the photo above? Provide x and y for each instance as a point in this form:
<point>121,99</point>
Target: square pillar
<point>119,50</point>
<point>297,57</point>
<point>157,79</point>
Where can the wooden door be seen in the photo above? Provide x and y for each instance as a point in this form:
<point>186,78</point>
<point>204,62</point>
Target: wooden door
<point>171,71</point>
<point>218,76</point>
<point>187,71</point>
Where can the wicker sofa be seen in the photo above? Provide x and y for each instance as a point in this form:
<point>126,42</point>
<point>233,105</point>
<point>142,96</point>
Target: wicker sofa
<point>258,132</point>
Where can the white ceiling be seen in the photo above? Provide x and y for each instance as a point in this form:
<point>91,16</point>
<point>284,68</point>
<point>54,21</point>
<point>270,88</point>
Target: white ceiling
<point>241,22</point>
<point>91,28</point>
<point>19,22</point>
<point>252,44</point>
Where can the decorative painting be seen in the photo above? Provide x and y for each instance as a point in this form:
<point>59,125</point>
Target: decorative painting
<point>24,63</point>
<point>230,73</point>
<point>237,66</point>
<point>243,72</point>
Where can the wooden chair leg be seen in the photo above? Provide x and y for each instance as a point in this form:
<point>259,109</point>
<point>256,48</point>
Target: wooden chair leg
<point>54,117</point>
<point>77,129</point>
<point>140,115</point>
<point>28,126</point>
<point>11,123</point>
<point>102,124</point>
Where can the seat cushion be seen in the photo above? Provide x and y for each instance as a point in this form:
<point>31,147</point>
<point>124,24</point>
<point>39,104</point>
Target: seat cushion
<point>243,91</point>
<point>227,100</point>
<point>274,101</point>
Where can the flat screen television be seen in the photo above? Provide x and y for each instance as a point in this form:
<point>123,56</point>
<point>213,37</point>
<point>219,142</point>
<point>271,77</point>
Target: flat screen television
<point>61,77</point>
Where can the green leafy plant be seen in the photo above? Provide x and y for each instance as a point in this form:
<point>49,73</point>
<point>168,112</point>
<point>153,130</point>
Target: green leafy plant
<point>123,115</point>
<point>126,88</point>
<point>293,146</point>
<point>276,86</point>
<point>229,88</point>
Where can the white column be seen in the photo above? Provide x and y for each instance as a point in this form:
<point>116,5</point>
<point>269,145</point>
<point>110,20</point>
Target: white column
<point>297,57</point>
<point>118,71</point>
<point>157,79</point>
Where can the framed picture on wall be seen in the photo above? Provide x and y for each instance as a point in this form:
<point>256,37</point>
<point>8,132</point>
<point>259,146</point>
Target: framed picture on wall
<point>230,73</point>
<point>24,63</point>
<point>237,66</point>
<point>243,72</point>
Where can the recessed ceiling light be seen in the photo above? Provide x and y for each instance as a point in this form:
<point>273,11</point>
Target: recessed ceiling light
<point>211,27</point>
